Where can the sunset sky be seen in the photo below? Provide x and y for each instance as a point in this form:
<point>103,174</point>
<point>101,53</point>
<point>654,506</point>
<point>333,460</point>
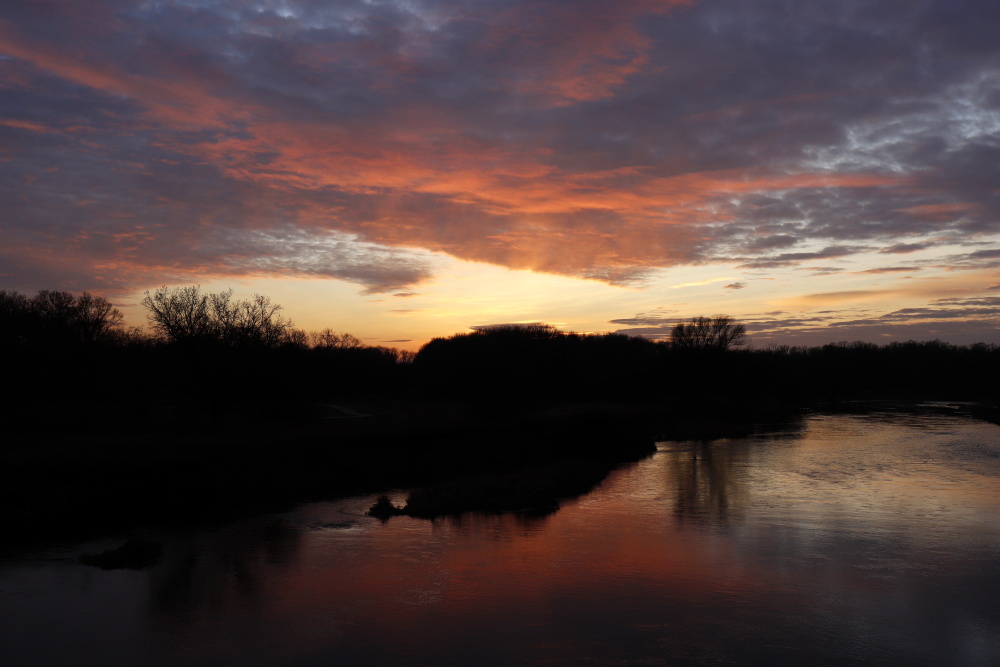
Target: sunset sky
<point>402,169</point>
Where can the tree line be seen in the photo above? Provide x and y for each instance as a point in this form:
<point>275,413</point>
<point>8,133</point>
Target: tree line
<point>179,316</point>
<point>73,361</point>
<point>58,318</point>
<point>188,317</point>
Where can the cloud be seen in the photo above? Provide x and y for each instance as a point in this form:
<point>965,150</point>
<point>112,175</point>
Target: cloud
<point>845,296</point>
<point>735,285</point>
<point>660,317</point>
<point>979,259</point>
<point>639,320</point>
<point>903,248</point>
<point>991,301</point>
<point>892,269</point>
<point>699,283</point>
<point>960,320</point>
<point>771,242</point>
<point>792,258</point>
<point>822,270</point>
<point>143,141</point>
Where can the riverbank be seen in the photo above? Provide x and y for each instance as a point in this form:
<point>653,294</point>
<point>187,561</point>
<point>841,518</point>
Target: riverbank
<point>64,485</point>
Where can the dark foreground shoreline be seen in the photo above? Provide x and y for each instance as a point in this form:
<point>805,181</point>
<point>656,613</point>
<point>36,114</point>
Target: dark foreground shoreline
<point>66,486</point>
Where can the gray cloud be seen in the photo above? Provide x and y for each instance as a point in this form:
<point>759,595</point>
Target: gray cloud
<point>792,258</point>
<point>823,270</point>
<point>659,317</point>
<point>644,321</point>
<point>903,248</point>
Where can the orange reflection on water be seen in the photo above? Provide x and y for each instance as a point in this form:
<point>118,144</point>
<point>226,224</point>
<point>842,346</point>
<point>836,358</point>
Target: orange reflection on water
<point>802,538</point>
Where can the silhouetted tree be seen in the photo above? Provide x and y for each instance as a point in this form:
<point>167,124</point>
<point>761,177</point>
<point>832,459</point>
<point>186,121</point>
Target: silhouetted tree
<point>708,333</point>
<point>531,364</point>
<point>179,314</point>
<point>15,318</point>
<point>297,338</point>
<point>185,315</point>
<point>253,323</point>
<point>96,319</point>
<point>328,338</point>
<point>57,318</point>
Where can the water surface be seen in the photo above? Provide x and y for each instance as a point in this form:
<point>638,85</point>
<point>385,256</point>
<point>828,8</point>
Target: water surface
<point>857,539</point>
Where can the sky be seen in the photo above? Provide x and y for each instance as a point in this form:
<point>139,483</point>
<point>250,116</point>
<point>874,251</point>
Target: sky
<point>404,169</point>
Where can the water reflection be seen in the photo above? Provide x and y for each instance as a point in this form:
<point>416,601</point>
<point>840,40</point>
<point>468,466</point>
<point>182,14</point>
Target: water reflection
<point>705,489</point>
<point>861,539</point>
<point>496,527</point>
<point>228,567</point>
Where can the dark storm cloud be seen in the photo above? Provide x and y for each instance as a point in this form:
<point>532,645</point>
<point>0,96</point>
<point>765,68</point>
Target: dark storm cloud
<point>141,142</point>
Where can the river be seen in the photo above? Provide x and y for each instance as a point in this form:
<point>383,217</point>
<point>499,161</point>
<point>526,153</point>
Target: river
<point>868,539</point>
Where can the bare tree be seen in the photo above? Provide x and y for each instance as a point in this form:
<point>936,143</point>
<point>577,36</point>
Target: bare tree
<point>84,319</point>
<point>253,323</point>
<point>296,338</point>
<point>96,318</point>
<point>185,314</point>
<point>259,322</point>
<point>331,339</point>
<point>180,314</point>
<point>15,317</point>
<point>56,309</point>
<point>720,332</point>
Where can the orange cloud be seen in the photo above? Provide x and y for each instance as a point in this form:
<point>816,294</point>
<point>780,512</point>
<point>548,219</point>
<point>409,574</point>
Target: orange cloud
<point>25,125</point>
<point>587,50</point>
<point>941,211</point>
